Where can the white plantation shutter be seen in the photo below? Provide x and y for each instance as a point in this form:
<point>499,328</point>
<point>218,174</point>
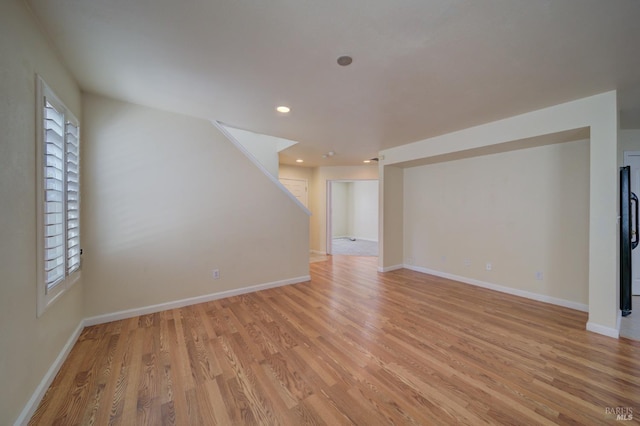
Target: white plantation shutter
<point>54,256</point>
<point>59,181</point>
<point>73,197</point>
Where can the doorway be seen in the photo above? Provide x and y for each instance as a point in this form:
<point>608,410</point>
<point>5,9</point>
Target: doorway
<point>352,217</point>
<point>632,159</point>
<point>630,325</point>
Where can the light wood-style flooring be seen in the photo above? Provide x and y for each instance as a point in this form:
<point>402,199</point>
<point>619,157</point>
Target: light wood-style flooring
<point>352,346</point>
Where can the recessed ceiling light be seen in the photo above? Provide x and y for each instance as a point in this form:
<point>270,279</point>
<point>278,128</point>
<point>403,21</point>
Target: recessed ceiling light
<point>299,160</point>
<point>283,109</point>
<point>345,60</point>
<point>367,161</point>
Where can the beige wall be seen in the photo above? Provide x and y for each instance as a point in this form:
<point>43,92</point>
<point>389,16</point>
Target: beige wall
<point>391,213</point>
<point>354,209</point>
<point>167,199</point>
<point>297,173</point>
<point>317,178</point>
<point>263,148</point>
<point>28,345</point>
<point>363,203</point>
<point>318,197</point>
<point>294,172</point>
<point>523,211</point>
<point>340,209</point>
<point>596,113</point>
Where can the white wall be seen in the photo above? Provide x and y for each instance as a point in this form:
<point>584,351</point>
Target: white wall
<point>167,199</point>
<point>28,345</point>
<point>523,211</point>
<point>263,148</point>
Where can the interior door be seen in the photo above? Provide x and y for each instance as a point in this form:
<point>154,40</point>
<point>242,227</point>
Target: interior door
<point>298,187</point>
<point>632,159</point>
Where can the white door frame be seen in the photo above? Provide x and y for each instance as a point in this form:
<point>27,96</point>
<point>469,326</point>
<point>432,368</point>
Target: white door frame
<point>329,222</point>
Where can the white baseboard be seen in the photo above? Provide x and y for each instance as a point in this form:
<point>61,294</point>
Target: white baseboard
<point>145,310</point>
<point>601,329</point>
<point>591,326</point>
<point>38,394</point>
<point>355,238</point>
<point>318,252</point>
<point>389,268</point>
<point>503,289</point>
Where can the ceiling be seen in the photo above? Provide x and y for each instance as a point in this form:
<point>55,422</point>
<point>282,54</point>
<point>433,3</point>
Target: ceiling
<point>420,68</point>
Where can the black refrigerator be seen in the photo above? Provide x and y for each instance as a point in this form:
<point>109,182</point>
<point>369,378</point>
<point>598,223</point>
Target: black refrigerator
<point>628,237</point>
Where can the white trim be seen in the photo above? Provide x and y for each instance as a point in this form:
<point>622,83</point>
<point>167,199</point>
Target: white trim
<point>46,297</point>
<point>259,165</point>
<point>144,310</point>
<point>601,329</point>
<point>390,268</point>
<point>319,252</point>
<point>503,289</point>
<point>38,394</point>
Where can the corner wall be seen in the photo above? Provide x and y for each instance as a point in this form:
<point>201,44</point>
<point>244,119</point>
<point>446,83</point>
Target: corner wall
<point>598,114</point>
<point>391,222</point>
<point>28,345</point>
<point>169,199</point>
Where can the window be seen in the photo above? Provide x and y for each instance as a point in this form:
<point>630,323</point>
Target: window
<point>58,148</point>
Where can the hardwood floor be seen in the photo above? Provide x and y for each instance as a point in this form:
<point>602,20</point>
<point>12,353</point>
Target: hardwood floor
<point>352,346</point>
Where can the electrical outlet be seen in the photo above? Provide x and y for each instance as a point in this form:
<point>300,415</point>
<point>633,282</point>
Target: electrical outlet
<point>216,274</point>
<point>539,276</point>
<point>489,266</point>
<point>443,259</point>
<point>467,262</point>
<point>409,260</point>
